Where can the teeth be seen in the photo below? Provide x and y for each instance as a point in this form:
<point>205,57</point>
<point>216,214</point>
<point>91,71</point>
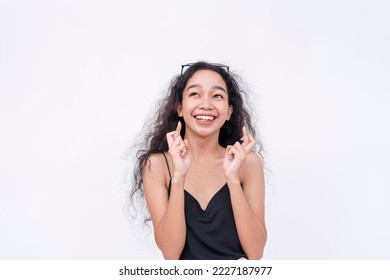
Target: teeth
<point>205,118</point>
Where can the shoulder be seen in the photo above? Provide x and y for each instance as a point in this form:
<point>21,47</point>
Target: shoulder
<point>156,167</point>
<point>252,167</point>
<point>155,161</point>
<point>253,160</point>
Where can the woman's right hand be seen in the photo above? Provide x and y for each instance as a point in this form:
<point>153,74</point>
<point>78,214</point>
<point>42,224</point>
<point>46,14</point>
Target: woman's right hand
<point>178,151</point>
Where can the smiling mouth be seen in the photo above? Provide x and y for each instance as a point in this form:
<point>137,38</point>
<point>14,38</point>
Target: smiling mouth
<point>205,118</point>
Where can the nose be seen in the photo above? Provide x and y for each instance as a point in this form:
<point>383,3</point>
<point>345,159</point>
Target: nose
<point>205,103</point>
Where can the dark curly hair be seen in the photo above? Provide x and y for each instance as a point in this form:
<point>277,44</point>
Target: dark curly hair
<point>165,119</point>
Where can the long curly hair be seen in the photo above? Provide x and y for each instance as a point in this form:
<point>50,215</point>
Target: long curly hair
<point>165,119</point>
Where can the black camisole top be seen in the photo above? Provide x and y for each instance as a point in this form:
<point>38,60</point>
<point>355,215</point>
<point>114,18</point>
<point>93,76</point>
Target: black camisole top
<point>211,233</point>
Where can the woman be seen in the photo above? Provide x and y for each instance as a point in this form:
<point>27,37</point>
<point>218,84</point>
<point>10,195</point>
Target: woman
<point>203,184</point>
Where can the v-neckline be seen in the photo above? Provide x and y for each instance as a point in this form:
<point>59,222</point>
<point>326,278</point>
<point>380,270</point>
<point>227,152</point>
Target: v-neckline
<point>211,199</point>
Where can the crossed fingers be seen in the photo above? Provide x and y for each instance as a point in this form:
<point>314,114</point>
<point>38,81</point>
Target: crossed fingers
<point>248,142</point>
<point>175,142</point>
<point>239,150</point>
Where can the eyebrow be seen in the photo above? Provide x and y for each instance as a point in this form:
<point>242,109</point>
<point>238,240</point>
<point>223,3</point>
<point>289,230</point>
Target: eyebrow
<point>198,86</point>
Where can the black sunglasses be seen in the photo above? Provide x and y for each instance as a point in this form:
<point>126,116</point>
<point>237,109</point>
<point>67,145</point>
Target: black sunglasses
<point>214,64</point>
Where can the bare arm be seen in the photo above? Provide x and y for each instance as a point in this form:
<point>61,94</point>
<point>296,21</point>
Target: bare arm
<point>168,214</point>
<point>243,167</point>
<point>248,207</point>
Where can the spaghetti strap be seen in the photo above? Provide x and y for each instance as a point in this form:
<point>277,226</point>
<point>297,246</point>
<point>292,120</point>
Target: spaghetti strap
<point>166,160</point>
<point>170,176</point>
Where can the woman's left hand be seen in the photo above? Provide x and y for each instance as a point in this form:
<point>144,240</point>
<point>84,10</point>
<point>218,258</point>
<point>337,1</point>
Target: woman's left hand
<point>236,155</point>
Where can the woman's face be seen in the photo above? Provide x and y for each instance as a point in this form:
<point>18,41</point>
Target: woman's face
<point>205,105</point>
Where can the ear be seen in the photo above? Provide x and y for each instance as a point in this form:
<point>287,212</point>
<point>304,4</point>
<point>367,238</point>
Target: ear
<point>180,111</point>
<point>230,112</point>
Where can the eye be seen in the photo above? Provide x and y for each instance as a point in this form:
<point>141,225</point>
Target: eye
<point>218,96</point>
<point>195,94</point>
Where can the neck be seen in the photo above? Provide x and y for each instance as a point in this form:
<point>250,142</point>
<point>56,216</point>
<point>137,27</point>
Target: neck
<point>204,148</point>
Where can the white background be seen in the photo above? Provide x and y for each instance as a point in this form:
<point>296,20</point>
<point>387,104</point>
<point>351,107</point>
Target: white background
<point>78,79</point>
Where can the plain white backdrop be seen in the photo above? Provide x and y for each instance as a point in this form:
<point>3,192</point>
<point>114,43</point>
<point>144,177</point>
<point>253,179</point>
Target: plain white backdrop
<point>78,79</point>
